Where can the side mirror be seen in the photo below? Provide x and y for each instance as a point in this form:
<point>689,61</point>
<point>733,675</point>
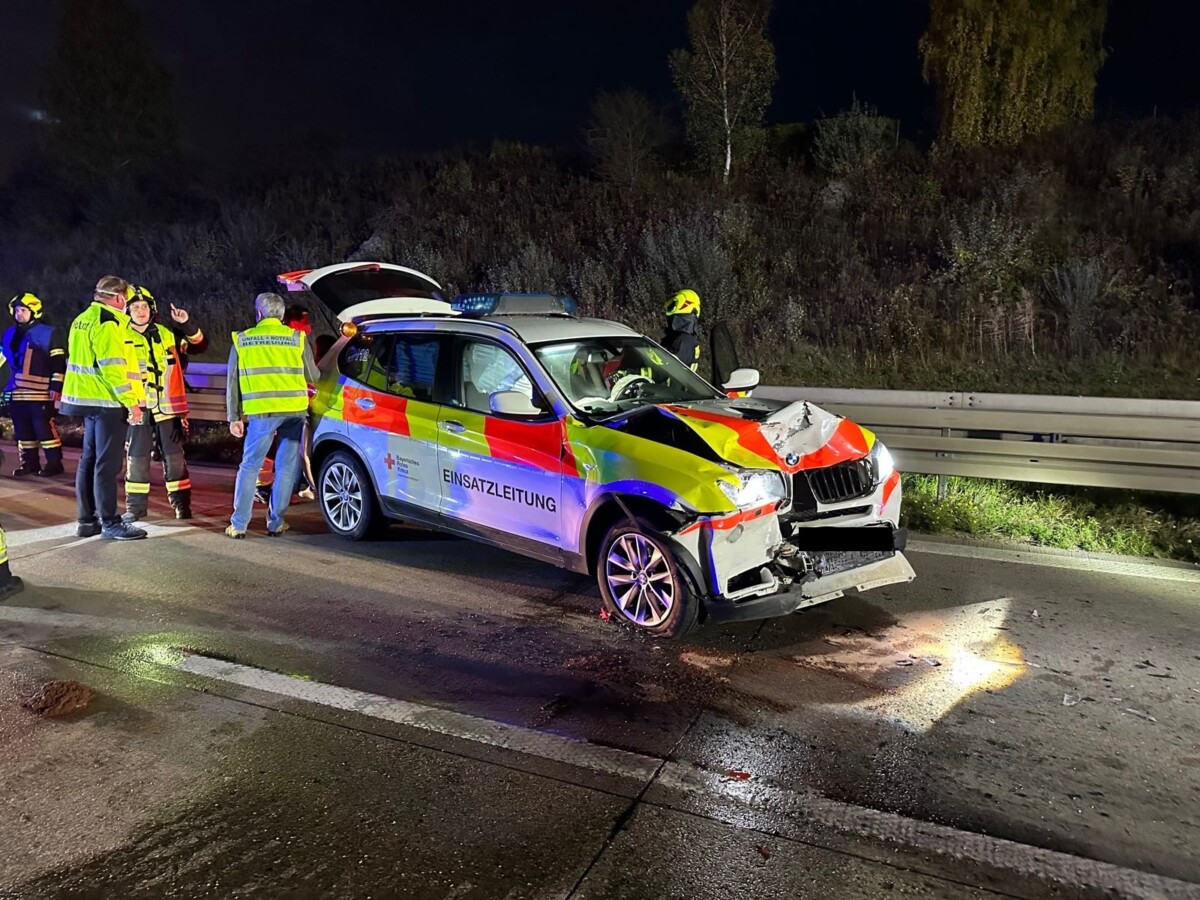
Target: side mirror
<point>512,403</point>
<point>741,382</point>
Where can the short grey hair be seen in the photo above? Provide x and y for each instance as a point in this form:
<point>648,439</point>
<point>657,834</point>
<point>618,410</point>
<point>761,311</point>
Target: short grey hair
<point>269,306</point>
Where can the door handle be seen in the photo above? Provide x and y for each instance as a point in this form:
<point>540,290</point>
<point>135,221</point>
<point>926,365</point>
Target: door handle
<point>454,427</point>
<point>364,403</point>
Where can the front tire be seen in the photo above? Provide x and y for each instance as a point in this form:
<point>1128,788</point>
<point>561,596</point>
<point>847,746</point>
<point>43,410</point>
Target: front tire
<point>347,498</point>
<point>641,582</point>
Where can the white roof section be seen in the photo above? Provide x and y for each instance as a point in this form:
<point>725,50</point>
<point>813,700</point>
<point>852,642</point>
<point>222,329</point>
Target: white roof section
<point>538,329</point>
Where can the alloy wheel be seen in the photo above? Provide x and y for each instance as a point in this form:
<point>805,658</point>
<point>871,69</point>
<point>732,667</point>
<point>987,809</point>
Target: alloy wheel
<point>342,496</point>
<point>640,580</point>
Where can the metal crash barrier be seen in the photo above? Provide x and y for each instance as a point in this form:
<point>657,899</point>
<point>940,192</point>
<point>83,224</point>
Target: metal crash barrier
<point>1145,445</point>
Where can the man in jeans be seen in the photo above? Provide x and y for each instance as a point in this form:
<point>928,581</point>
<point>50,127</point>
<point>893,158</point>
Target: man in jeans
<point>270,369</point>
<point>104,385</point>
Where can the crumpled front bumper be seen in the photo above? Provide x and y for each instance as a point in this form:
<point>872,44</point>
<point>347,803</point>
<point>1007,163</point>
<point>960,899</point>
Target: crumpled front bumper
<point>794,597</point>
<point>751,571</point>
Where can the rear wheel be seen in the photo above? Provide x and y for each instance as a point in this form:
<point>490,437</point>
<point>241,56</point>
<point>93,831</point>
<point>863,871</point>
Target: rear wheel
<point>347,498</point>
<point>641,582</point>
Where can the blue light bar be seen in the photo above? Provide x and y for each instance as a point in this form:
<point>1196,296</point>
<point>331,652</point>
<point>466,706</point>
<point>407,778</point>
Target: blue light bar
<point>507,304</point>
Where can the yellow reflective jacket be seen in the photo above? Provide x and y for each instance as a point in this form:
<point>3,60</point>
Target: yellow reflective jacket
<point>270,369</point>
<point>160,353</point>
<point>102,363</point>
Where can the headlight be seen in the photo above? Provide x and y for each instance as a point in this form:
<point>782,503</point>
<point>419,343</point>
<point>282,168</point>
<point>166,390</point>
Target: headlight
<point>882,463</point>
<point>754,487</point>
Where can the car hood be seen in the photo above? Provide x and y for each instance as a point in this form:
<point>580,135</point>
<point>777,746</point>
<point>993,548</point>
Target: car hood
<point>755,434</point>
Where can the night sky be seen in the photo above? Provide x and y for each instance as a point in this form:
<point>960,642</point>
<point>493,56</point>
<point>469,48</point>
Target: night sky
<point>404,76</point>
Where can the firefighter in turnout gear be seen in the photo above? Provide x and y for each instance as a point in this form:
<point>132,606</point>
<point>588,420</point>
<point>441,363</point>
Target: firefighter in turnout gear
<point>160,350</point>
<point>36,356</point>
<point>103,385</point>
<point>682,336</point>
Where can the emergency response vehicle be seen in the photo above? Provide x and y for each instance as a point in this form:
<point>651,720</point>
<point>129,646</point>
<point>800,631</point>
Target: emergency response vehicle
<point>510,420</point>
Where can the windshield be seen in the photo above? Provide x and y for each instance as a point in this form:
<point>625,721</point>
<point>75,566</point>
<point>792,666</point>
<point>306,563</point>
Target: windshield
<point>604,376</point>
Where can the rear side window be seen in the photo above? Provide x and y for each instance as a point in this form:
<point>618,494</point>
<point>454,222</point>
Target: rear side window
<point>356,357</point>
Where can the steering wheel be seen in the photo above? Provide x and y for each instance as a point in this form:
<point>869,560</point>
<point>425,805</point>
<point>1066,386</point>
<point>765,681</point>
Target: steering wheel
<point>628,387</point>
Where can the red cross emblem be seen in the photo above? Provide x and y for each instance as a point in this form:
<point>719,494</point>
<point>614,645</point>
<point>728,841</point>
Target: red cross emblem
<point>389,461</point>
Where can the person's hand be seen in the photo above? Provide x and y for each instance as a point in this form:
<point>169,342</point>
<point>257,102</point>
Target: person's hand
<point>238,428</point>
<point>179,316</point>
<point>135,415</point>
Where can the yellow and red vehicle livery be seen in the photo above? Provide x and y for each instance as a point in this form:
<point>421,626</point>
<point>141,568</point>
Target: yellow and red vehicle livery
<point>768,506</point>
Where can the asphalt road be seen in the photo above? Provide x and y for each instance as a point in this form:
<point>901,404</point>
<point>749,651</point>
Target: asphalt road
<point>423,716</point>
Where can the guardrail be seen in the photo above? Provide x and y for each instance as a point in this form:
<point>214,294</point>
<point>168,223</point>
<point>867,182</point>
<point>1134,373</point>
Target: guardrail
<point>1148,445</point>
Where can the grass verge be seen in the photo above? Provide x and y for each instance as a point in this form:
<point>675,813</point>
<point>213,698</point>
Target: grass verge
<point>1095,519</point>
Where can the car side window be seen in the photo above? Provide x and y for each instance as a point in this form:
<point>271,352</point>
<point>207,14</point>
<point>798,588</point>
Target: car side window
<point>485,368</point>
<point>409,366</point>
<point>358,355</point>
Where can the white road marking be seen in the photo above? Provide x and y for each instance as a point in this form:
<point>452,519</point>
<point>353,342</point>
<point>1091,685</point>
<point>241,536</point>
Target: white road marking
<point>17,539</point>
<point>805,806</point>
<point>454,724</point>
<point>1053,561</point>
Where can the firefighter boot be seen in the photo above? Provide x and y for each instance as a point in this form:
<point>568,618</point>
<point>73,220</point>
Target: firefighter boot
<point>30,462</point>
<point>52,468</point>
<point>181,502</point>
<point>135,512</point>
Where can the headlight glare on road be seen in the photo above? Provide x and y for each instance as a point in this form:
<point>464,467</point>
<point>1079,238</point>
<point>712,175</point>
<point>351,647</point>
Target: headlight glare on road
<point>754,487</point>
<point>882,463</point>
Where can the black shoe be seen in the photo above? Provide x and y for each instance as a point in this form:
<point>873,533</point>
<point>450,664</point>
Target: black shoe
<point>25,470</point>
<point>122,531</point>
<point>10,587</point>
<point>52,469</point>
<point>262,494</point>
<point>88,529</point>
<point>133,515</point>
<point>183,511</point>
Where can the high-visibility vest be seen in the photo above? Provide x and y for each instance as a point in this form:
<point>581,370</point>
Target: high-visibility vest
<point>37,364</point>
<point>271,369</point>
<point>102,362</point>
<point>3,547</point>
<point>162,368</point>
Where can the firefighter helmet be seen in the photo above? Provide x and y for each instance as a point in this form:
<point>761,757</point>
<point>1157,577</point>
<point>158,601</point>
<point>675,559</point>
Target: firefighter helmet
<point>683,303</point>
<point>30,301</point>
<point>138,292</point>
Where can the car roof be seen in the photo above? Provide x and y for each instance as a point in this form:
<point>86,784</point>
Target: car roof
<point>530,329</point>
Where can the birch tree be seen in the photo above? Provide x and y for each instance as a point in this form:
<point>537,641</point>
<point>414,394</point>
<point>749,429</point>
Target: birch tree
<point>725,79</point>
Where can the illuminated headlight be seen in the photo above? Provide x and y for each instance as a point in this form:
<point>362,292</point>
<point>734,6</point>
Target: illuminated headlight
<point>753,488</point>
<point>882,464</point>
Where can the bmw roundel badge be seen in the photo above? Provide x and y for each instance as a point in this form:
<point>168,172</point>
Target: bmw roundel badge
<point>792,458</point>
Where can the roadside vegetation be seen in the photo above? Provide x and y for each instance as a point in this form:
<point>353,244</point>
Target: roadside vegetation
<point>1105,521</point>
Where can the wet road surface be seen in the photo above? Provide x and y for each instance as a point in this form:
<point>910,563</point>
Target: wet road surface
<point>1056,708</point>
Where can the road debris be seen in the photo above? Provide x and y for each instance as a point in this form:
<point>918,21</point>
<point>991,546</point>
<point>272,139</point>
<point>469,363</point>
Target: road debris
<point>737,775</point>
<point>1034,615</point>
<point>1141,715</point>
<point>930,661</point>
<point>1070,699</point>
<point>762,851</point>
<point>705,661</point>
<point>605,614</point>
<point>904,662</point>
<point>59,698</point>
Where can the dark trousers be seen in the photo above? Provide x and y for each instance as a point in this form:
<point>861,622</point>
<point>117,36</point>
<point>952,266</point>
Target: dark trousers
<point>33,427</point>
<point>100,465</point>
<point>137,466</point>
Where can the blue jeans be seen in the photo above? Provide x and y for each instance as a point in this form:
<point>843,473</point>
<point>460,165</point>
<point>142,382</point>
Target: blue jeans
<point>259,432</point>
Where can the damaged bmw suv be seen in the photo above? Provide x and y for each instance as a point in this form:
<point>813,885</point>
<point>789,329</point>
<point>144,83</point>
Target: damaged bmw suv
<point>510,420</point>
